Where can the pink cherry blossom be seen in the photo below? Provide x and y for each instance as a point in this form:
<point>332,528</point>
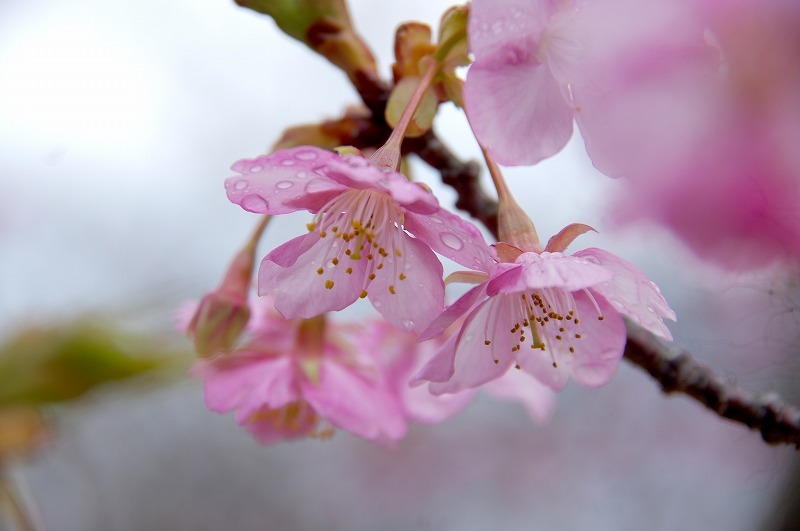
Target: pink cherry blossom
<point>371,237</point>
<point>695,102</point>
<point>723,168</point>
<point>537,62</point>
<point>301,378</point>
<point>549,314</point>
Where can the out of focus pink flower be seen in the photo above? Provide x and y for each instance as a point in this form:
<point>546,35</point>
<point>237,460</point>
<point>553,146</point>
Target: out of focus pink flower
<point>721,166</point>
<point>696,102</point>
<point>301,378</point>
<point>549,314</point>
<point>360,242</point>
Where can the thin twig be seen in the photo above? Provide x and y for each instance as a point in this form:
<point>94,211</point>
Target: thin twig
<point>678,372</point>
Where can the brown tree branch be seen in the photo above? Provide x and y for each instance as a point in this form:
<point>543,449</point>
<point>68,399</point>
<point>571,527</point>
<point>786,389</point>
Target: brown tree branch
<point>678,372</point>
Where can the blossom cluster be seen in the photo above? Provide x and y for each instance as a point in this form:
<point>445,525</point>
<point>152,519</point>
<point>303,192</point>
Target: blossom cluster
<point>674,96</point>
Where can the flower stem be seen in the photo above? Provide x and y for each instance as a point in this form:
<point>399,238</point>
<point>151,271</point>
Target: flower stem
<point>388,155</point>
<point>514,226</point>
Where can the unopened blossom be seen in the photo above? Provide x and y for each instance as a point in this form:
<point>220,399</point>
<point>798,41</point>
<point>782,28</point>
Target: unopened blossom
<point>371,236</point>
<point>547,313</point>
<point>218,320</point>
<point>301,378</point>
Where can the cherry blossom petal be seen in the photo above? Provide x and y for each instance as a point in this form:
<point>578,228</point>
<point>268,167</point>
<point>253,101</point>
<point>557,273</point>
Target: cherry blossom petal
<point>247,383</point>
<point>408,291</point>
<point>475,361</point>
<point>452,237</point>
<point>301,291</point>
<point>270,183</point>
<point>355,403</point>
<point>440,367</point>
<point>517,110</point>
<point>548,270</point>
<point>281,257</point>
<point>538,399</point>
<point>495,24</point>
<point>453,312</point>
<point>356,172</point>
<point>631,293</point>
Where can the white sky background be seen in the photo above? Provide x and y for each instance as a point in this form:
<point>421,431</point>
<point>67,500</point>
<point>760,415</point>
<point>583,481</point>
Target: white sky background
<point>118,123</point>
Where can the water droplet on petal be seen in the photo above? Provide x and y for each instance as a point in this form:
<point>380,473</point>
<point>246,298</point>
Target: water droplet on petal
<point>287,162</point>
<point>468,338</point>
<point>452,241</point>
<point>377,304</point>
<point>306,155</point>
<point>254,203</point>
<point>241,184</point>
<point>257,168</point>
<point>283,185</point>
<point>407,324</point>
<point>302,175</point>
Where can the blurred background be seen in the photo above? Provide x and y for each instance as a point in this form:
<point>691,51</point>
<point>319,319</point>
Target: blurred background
<point>118,124</point>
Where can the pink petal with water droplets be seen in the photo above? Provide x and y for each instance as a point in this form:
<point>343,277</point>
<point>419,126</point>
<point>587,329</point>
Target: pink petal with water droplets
<point>631,292</point>
<point>408,291</point>
<point>355,402</point>
<point>495,24</point>
<point>270,184</point>
<point>453,238</point>
<point>474,359</point>
<point>356,172</point>
<point>517,111</point>
<point>548,270</point>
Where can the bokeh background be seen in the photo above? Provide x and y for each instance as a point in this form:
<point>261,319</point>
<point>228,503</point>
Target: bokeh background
<point>118,123</point>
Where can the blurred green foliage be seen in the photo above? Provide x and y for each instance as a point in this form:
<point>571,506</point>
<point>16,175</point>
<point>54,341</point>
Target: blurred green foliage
<point>47,364</point>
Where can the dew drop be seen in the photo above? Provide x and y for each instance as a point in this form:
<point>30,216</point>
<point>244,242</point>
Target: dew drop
<point>302,175</point>
<point>468,338</point>
<point>407,324</point>
<point>287,162</point>
<point>257,168</point>
<point>377,304</point>
<point>408,264</point>
<point>241,184</point>
<point>254,203</point>
<point>306,155</point>
<point>452,241</point>
<point>283,185</point>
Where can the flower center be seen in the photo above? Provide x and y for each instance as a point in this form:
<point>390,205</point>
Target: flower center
<point>545,319</point>
<point>296,418</point>
<point>357,225</point>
